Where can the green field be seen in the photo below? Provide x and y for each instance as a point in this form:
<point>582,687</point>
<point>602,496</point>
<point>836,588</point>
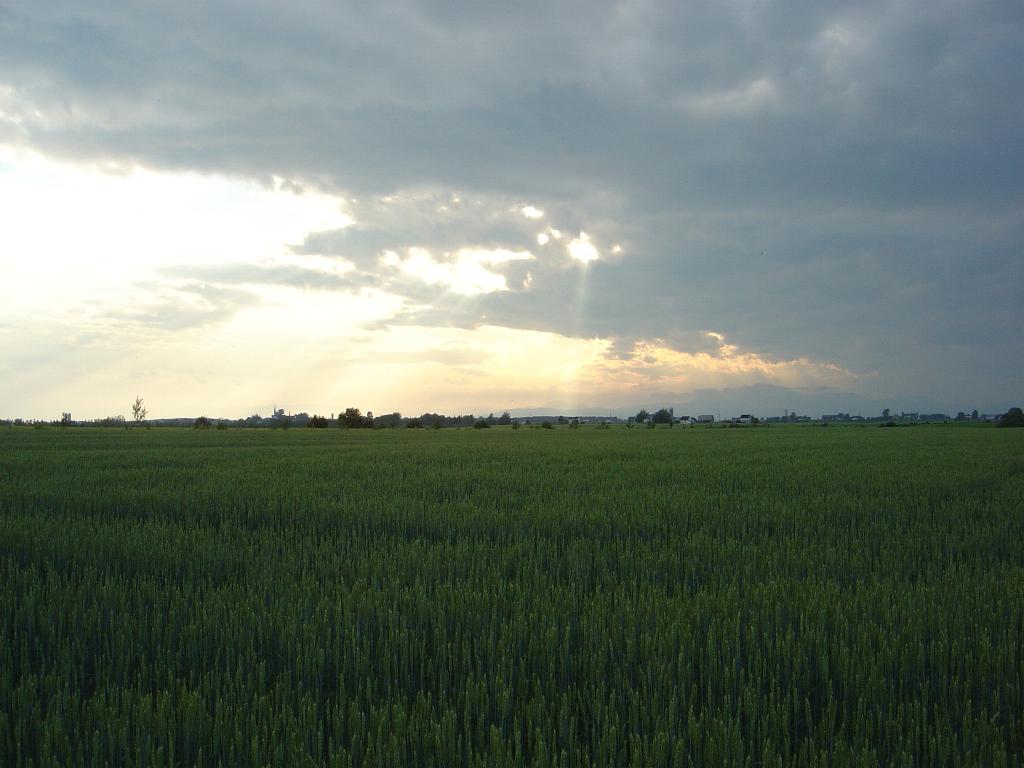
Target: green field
<point>762,597</point>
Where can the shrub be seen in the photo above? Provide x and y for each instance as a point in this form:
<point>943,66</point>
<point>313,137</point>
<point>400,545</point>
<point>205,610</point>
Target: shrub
<point>481,424</point>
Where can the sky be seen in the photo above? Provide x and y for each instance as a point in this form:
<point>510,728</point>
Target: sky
<point>565,206</point>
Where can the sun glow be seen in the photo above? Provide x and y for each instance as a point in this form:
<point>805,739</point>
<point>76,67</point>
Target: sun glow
<point>71,231</point>
<point>581,249</point>
<point>183,287</point>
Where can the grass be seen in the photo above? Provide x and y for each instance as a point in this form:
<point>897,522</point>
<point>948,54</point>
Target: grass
<point>776,596</point>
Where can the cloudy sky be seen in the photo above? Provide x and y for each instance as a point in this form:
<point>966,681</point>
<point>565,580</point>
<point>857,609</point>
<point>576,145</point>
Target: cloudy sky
<point>476,206</point>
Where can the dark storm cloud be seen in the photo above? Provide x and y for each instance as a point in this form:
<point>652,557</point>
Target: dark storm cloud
<point>841,181</point>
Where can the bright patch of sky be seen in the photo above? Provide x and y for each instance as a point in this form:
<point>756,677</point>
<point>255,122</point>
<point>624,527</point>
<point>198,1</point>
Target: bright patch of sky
<point>75,234</point>
<point>747,97</point>
<point>581,249</point>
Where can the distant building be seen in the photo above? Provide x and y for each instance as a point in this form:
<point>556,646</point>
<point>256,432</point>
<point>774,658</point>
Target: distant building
<point>745,418</point>
<point>706,418</point>
<point>835,417</point>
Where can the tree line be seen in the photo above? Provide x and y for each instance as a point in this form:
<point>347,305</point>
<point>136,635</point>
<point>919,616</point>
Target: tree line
<point>353,418</point>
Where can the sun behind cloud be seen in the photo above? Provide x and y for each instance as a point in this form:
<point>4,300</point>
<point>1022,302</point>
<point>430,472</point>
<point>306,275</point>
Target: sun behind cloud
<point>581,249</point>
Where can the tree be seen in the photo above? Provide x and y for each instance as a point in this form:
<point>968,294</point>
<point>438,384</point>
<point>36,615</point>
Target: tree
<point>662,416</point>
<point>885,413</point>
<point>642,416</point>
<point>317,422</point>
<point>481,424</point>
<point>562,420</point>
<point>974,415</point>
<point>202,423</point>
<point>138,410</point>
<point>505,419</point>
<point>352,418</point>
<point>392,420</point>
<point>1012,418</point>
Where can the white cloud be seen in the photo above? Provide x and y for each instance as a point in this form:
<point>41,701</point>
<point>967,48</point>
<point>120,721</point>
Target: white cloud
<point>653,364</point>
<point>464,273</point>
